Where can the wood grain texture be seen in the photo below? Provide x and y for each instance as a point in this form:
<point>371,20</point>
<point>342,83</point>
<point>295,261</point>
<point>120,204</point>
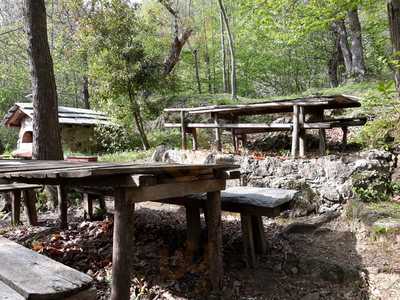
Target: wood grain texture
<point>36,276</point>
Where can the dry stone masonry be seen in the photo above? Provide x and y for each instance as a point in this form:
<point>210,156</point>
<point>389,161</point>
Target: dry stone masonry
<point>326,183</point>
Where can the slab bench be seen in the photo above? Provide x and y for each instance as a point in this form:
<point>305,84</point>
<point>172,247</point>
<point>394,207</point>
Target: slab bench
<point>25,274</point>
<point>251,202</point>
<point>28,197</point>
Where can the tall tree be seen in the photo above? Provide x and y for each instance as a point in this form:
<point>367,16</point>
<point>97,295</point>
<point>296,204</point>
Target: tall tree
<point>340,29</point>
<point>393,7</point>
<point>357,49</point>
<point>231,50</point>
<point>46,130</point>
<point>223,56</point>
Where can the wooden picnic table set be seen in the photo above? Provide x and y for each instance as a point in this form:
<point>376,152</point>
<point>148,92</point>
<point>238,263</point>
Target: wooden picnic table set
<point>129,184</point>
<point>307,113</point>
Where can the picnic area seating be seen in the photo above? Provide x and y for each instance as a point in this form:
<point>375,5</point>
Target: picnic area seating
<point>25,274</point>
<point>307,113</point>
<point>251,202</point>
<point>28,197</point>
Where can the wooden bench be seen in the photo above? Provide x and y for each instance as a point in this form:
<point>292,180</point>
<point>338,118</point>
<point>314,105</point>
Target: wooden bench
<point>29,198</point>
<point>25,274</point>
<point>251,202</point>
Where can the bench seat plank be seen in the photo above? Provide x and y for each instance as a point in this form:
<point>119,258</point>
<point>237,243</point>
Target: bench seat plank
<point>36,276</point>
<point>8,187</point>
<point>7,293</point>
<point>258,196</point>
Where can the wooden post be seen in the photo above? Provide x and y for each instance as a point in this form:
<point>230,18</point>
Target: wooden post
<point>102,203</point>
<point>183,131</point>
<point>260,244</point>
<point>295,132</point>
<point>63,206</point>
<point>195,145</point>
<point>122,245</point>
<point>302,135</point>
<point>217,132</point>
<point>30,207</point>
<point>344,138</point>
<point>193,230</point>
<point>213,206</point>
<point>88,200</point>
<point>244,141</point>
<point>248,240</point>
<point>234,142</point>
<point>15,207</point>
<point>322,135</point>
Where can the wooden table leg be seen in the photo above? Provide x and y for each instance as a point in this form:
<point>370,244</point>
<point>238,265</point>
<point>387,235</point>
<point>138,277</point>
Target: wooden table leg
<point>15,207</point>
<point>193,228</point>
<point>63,206</point>
<point>215,240</point>
<point>295,131</point>
<point>30,207</point>
<point>122,246</point>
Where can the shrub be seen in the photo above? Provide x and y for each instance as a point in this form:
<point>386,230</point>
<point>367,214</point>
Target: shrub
<point>113,138</point>
<point>372,186</point>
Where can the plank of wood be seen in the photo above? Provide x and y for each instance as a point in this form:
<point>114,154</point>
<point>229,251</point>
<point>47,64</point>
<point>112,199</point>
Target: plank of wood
<point>174,190</point>
<point>295,131</point>
<point>16,207</point>
<point>36,276</point>
<point>248,240</point>
<point>17,186</point>
<point>29,197</point>
<point>7,293</point>
<point>282,126</point>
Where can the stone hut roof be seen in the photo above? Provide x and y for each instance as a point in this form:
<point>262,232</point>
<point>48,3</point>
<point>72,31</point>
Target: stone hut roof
<point>66,115</point>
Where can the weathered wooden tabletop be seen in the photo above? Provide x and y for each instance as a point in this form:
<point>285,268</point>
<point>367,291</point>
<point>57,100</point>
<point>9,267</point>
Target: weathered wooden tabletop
<point>132,183</point>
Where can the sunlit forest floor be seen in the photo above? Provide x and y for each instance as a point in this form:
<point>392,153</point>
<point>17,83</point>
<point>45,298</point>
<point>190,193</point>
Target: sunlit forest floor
<point>342,259</point>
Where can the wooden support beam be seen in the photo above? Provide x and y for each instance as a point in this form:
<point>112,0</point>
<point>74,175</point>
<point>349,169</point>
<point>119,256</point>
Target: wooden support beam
<point>302,133</point>
<point>63,206</point>
<point>88,200</point>
<point>183,131</point>
<point>295,131</point>
<point>30,206</point>
<point>345,131</point>
<point>217,132</point>
<point>213,207</point>
<point>322,135</point>
<point>16,207</point>
<point>195,145</point>
<point>193,226</point>
<point>122,245</point>
<point>260,244</point>
<point>248,240</point>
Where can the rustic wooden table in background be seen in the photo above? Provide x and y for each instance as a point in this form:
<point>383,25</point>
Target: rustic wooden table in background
<point>131,183</point>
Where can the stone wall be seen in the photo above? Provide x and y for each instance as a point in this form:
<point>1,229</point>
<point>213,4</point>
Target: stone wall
<point>325,183</point>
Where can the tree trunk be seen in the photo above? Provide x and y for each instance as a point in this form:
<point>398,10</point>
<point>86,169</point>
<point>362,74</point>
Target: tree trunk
<point>223,56</point>
<point>340,28</point>
<point>138,118</point>
<point>393,7</point>
<point>196,69</point>
<point>232,51</point>
<point>85,92</point>
<point>333,62</point>
<point>357,51</point>
<point>46,130</point>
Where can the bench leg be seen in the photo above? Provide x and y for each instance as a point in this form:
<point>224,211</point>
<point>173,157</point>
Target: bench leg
<point>213,207</point>
<point>102,203</point>
<point>88,201</point>
<point>248,240</point>
<point>30,207</point>
<point>193,228</point>
<point>258,234</point>
<point>15,207</point>
<point>62,206</point>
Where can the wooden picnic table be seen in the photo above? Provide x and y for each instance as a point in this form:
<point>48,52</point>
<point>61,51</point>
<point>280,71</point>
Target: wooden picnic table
<point>131,183</point>
<point>227,117</point>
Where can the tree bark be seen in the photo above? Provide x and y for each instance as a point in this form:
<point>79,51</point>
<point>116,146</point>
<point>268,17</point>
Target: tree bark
<point>393,7</point>
<point>46,130</point>
<point>357,50</point>
<point>333,62</point>
<point>340,29</point>
<point>196,69</point>
<point>85,92</point>
<point>232,52</point>
<point>223,56</point>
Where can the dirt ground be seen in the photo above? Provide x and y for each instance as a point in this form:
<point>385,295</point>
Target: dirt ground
<point>340,259</point>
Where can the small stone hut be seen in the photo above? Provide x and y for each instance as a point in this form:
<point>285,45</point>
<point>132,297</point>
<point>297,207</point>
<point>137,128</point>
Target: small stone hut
<point>77,127</point>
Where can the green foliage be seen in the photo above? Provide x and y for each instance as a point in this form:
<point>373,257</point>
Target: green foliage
<point>115,139</point>
<point>171,138</point>
<point>126,156</point>
<point>372,186</point>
